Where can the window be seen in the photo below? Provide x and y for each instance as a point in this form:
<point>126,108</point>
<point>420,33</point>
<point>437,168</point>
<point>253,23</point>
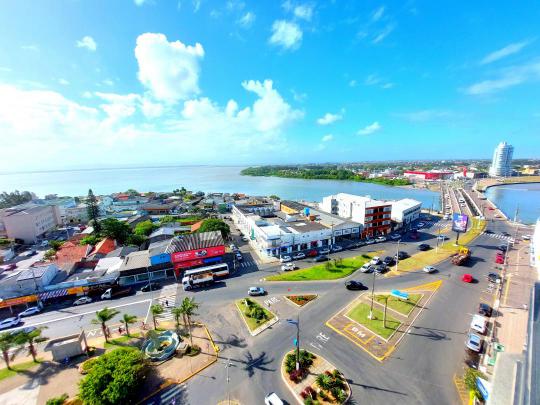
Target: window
<point>142,277</point>
<point>158,274</point>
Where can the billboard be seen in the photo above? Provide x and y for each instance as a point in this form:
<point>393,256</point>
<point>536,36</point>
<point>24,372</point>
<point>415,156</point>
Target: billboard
<point>459,222</point>
<point>198,254</point>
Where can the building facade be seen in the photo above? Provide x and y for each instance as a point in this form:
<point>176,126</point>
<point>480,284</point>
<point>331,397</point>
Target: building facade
<point>30,222</point>
<point>405,211</point>
<point>431,175</point>
<point>501,165</point>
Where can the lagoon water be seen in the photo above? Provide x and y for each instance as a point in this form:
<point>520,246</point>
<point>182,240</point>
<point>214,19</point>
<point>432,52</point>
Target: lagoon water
<point>198,178</point>
<point>525,197</point>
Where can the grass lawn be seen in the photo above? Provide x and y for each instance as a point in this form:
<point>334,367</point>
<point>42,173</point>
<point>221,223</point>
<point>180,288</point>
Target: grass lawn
<point>360,314</point>
<point>430,257</point>
<point>121,341</point>
<point>324,271</point>
<point>401,306</point>
<point>252,322</point>
<point>5,373</point>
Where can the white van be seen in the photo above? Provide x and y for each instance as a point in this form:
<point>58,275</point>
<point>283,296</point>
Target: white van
<point>272,399</point>
<point>479,324</point>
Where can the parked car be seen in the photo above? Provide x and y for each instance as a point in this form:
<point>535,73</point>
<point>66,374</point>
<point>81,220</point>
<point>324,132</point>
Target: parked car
<point>336,248</point>
<point>499,260</point>
<point>380,239</point>
<point>30,311</point>
<point>151,287</point>
<point>320,259</point>
<point>239,256</point>
<point>388,260</point>
<point>354,285</point>
<point>8,267</point>
<point>526,237</point>
<point>502,248</point>
<point>45,243</point>
<point>82,300</point>
<point>479,324</point>
<point>442,237</point>
<point>375,260</point>
<point>272,399</point>
<point>324,251</point>
<point>369,241</point>
<point>474,342</point>
<point>288,266</point>
<point>494,278</point>
<point>312,253</point>
<point>233,247</point>
<point>380,268</point>
<point>10,322</point>
<point>401,255</point>
<point>255,291</point>
<point>285,259</point>
<point>423,247</point>
<point>28,253</point>
<point>430,269</point>
<point>484,309</point>
<point>488,231</point>
<point>366,268</point>
<point>467,278</point>
<point>299,255</point>
<point>420,224</point>
<point>395,236</point>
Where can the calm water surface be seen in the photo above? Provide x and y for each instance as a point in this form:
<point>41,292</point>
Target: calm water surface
<point>525,197</point>
<point>203,178</point>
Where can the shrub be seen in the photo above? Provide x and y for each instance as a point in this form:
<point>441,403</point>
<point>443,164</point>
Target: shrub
<point>296,375</point>
<point>470,381</point>
<point>57,400</point>
<point>49,254</point>
<point>88,364</point>
<point>341,396</point>
<point>258,313</point>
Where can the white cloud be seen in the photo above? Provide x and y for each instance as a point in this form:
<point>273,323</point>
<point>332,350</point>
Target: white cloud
<point>509,77</point>
<point>196,5</point>
<point>353,83</point>
<point>235,5</point>
<point>377,14</point>
<point>285,34</point>
<point>327,138</point>
<point>118,106</point>
<point>329,118</point>
<point>33,48</point>
<point>383,34</point>
<point>108,82</point>
<point>63,82</point>
<point>247,19</point>
<point>370,129</point>
<point>303,11</point>
<point>504,52</point>
<point>87,42</point>
<point>299,96</point>
<point>140,2</point>
<point>375,80</point>
<point>170,70</point>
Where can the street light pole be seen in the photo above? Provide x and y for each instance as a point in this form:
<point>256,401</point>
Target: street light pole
<point>397,254</point>
<point>370,316</point>
<point>228,389</point>
<point>297,323</point>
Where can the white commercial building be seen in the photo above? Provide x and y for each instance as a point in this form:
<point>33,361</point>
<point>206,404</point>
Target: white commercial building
<point>30,222</point>
<point>501,165</point>
<point>36,278</point>
<point>405,211</point>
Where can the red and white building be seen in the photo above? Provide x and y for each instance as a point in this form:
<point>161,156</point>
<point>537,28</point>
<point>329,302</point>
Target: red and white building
<point>431,175</point>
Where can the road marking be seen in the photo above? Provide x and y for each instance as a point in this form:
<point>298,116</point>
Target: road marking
<point>507,287</point>
<point>273,300</point>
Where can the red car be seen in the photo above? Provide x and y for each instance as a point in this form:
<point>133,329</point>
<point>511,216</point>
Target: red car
<point>491,208</point>
<point>467,278</point>
<point>499,260</point>
<point>312,253</point>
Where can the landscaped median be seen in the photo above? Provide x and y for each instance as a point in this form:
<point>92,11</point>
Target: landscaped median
<point>447,249</point>
<point>255,316</point>
<point>330,270</point>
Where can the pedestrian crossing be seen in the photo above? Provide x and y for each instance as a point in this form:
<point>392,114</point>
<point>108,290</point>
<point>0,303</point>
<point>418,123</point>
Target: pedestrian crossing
<point>172,395</point>
<point>167,302</point>
<point>247,263</point>
<point>498,236</point>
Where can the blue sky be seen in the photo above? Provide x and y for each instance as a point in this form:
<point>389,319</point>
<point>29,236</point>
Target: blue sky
<point>136,82</point>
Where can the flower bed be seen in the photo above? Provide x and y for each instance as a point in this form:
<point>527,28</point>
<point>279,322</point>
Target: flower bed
<point>329,388</point>
<point>301,300</point>
<point>253,314</point>
<point>306,360</point>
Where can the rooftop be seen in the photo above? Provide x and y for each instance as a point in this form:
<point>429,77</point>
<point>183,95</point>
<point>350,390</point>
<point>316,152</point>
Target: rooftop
<point>33,272</point>
<point>105,246</point>
<point>195,241</point>
<point>122,251</point>
<point>135,260</point>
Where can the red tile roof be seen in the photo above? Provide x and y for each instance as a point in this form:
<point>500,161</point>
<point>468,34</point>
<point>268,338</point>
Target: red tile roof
<point>71,252</point>
<point>195,227</point>
<point>107,245</point>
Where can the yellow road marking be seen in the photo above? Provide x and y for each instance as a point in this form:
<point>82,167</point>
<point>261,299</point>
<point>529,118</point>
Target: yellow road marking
<point>355,335</point>
<point>506,288</point>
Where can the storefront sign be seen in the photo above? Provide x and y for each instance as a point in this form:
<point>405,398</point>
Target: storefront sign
<point>198,254</point>
<point>17,301</point>
<point>189,263</point>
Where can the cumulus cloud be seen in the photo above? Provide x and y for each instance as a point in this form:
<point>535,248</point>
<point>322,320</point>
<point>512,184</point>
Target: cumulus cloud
<point>327,138</point>
<point>508,77</point>
<point>247,20</point>
<point>87,42</point>
<point>169,70</point>
<point>303,11</point>
<point>508,50</point>
<point>370,129</point>
<point>329,118</point>
<point>286,34</point>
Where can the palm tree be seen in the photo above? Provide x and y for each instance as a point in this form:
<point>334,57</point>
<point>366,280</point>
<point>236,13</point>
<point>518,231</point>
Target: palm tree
<point>156,310</point>
<point>178,312</point>
<point>189,307</point>
<point>6,343</point>
<point>127,319</point>
<point>324,381</point>
<point>31,338</point>
<point>104,316</point>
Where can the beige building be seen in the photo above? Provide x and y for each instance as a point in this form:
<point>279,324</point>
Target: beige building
<point>29,222</point>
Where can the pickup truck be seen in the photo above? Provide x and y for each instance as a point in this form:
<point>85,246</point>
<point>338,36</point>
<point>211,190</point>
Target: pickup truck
<point>201,279</point>
<point>111,293</point>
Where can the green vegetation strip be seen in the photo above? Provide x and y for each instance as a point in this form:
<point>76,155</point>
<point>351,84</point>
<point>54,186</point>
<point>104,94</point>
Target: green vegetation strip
<point>330,270</point>
<point>401,306</point>
<point>17,368</point>
<point>360,314</point>
<point>252,322</point>
<point>122,341</point>
<point>446,250</point>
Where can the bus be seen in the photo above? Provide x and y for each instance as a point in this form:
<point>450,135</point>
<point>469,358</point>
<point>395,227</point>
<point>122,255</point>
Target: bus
<point>219,270</point>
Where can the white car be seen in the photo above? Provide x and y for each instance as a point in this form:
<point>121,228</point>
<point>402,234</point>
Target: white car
<point>442,237</point>
<point>526,237</point>
<point>395,236</point>
<point>324,251</point>
<point>254,291</point>
<point>30,311</point>
<point>336,248</point>
<point>245,239</point>
<point>376,260</point>
<point>370,241</point>
<point>285,259</point>
<point>429,269</point>
<point>288,267</point>
<point>83,300</point>
<point>272,399</point>
<point>380,239</point>
<point>299,255</point>
<point>366,268</point>
<point>10,322</point>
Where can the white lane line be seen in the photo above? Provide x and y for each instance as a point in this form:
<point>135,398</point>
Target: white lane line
<point>82,314</point>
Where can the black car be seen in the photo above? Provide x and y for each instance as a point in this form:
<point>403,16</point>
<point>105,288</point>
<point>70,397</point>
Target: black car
<point>484,309</point>
<point>380,268</point>
<point>239,256</point>
<point>388,260</point>
<point>354,285</point>
<point>502,247</point>
<point>505,233</point>
<point>320,259</point>
<point>493,278</point>
<point>423,247</point>
<point>151,287</point>
<point>488,231</point>
<point>401,255</point>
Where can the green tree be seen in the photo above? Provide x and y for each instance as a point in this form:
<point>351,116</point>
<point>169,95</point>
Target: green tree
<point>55,244</point>
<point>128,319</point>
<point>189,307</point>
<point>57,400</point>
<point>177,313</point>
<point>90,240</point>
<point>156,310</point>
<point>166,219</point>
<point>274,197</point>
<point>144,228</point>
<point>7,342</point>
<point>15,198</point>
<point>115,378</point>
<point>132,192</point>
<point>214,224</point>
<point>324,381</point>
<point>135,240</point>
<point>102,317</point>
<point>115,229</point>
<point>470,380</point>
<point>31,338</point>
<point>49,254</point>
<point>92,210</point>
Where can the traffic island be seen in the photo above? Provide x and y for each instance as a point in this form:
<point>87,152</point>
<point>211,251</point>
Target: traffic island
<point>378,326</point>
<point>316,381</point>
<point>255,316</point>
<point>301,300</point>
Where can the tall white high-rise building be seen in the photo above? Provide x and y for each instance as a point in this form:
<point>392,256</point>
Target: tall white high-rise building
<point>501,165</point>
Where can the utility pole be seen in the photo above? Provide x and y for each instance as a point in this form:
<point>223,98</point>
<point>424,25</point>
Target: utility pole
<point>370,316</point>
<point>297,323</point>
<point>228,389</point>
<point>397,254</point>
